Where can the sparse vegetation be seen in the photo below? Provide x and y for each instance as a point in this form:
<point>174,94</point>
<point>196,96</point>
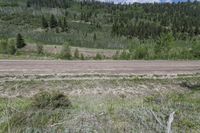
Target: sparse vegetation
<point>89,29</point>
<point>48,111</point>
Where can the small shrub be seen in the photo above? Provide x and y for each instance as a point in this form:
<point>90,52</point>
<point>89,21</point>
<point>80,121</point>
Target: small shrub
<point>124,55</point>
<point>196,50</point>
<point>116,56</point>
<point>76,54</point>
<point>65,52</point>
<point>51,100</point>
<point>82,57</point>
<point>98,57</point>
<point>190,86</point>
<point>40,49</point>
<point>3,46</point>
<point>141,52</point>
<point>7,47</point>
<point>12,41</point>
<point>11,49</point>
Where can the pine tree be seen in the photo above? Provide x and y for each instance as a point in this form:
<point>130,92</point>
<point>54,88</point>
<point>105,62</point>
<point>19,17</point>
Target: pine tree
<point>60,24</point>
<point>20,41</point>
<point>66,13</point>
<point>196,31</point>
<point>53,22</point>
<point>28,4</point>
<point>65,26</point>
<point>44,23</point>
<point>94,37</point>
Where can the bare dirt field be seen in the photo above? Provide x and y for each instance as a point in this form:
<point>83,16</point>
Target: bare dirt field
<point>56,49</point>
<point>20,67</point>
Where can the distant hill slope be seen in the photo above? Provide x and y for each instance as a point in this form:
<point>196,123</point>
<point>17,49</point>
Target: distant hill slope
<point>145,1</point>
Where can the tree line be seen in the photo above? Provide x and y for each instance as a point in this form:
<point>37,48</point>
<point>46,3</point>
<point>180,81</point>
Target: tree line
<point>148,20</point>
<point>49,3</point>
<point>133,20</point>
<point>53,22</point>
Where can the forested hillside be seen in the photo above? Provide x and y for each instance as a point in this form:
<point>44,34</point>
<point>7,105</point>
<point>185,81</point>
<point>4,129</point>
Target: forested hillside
<point>144,31</point>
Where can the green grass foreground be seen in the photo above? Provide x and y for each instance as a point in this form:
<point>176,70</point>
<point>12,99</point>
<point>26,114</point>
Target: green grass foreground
<point>53,111</point>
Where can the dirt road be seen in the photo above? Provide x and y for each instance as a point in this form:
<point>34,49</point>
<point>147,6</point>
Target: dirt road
<point>98,67</point>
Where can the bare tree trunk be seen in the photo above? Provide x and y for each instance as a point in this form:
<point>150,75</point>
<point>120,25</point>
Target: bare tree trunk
<point>169,123</point>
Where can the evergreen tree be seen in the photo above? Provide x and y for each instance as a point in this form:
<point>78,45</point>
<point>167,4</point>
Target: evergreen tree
<point>196,31</point>
<point>65,26</point>
<point>53,22</point>
<point>44,23</point>
<point>20,41</point>
<point>28,4</point>
<point>66,13</point>
<point>50,3</point>
<point>60,24</point>
<point>94,37</point>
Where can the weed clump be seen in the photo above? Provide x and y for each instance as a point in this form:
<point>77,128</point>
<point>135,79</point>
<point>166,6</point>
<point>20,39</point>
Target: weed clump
<point>194,86</point>
<point>51,100</point>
